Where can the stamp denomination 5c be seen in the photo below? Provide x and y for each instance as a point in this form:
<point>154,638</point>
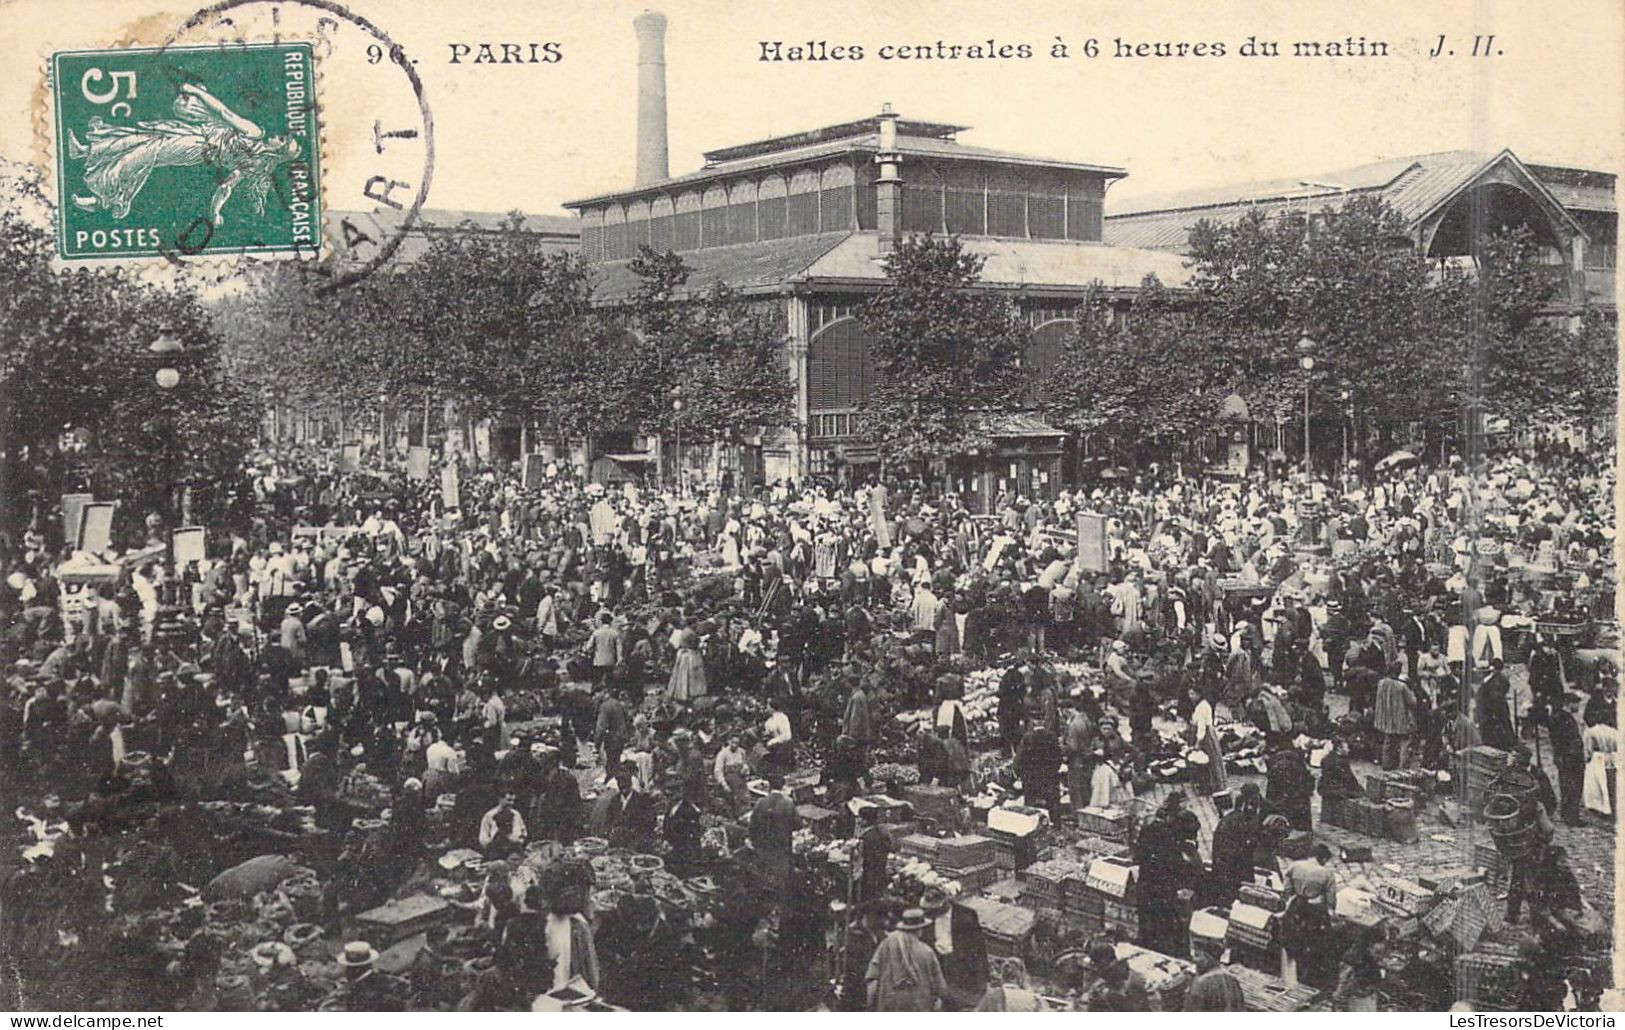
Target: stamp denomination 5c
<point>187,151</point>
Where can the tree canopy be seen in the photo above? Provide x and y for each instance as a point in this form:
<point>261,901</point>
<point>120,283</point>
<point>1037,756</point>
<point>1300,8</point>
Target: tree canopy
<point>1398,331</point>
<point>945,350</point>
<point>75,366</point>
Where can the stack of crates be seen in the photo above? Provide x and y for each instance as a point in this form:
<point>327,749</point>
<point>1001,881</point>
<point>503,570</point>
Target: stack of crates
<point>1084,907</point>
<point>1367,817</point>
<point>1110,823</point>
<point>1267,898</point>
<point>1019,834</point>
<point>1476,768</point>
<point>1253,928</point>
<point>969,858</point>
<point>1006,927</point>
<point>1115,881</point>
<point>1404,902</point>
<point>820,820</point>
<point>1042,887</point>
<point>1014,853</point>
<point>921,846</point>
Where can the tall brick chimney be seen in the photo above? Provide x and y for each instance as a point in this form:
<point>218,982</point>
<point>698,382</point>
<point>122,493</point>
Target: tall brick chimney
<point>651,29</point>
<point>889,186</point>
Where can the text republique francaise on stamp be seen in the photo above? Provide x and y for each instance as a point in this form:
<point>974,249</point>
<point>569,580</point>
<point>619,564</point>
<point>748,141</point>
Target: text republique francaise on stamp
<point>187,151</point>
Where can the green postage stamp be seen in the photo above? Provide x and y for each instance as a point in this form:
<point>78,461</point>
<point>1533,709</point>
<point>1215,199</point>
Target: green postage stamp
<point>187,151</point>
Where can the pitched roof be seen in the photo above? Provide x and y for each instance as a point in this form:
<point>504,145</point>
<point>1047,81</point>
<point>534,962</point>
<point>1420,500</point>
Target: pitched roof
<point>853,258</point>
<point>562,230</point>
<point>865,143</point>
<point>744,266</point>
<point>1415,186</point>
<point>1016,263</point>
<point>1008,425</point>
<point>905,127</point>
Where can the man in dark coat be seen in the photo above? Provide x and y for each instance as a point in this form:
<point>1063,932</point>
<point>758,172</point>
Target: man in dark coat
<point>1169,862</point>
<point>1545,675</point>
<point>1312,682</point>
<point>556,807</point>
<point>1235,839</point>
<point>773,823</point>
<point>874,849</point>
<point>1142,713</point>
<point>1568,754</point>
<point>1362,683</point>
<point>1494,715</point>
<point>1289,784</point>
<point>1038,764</point>
<point>1012,708</point>
<point>613,729</point>
<point>1335,635</point>
<point>856,722</point>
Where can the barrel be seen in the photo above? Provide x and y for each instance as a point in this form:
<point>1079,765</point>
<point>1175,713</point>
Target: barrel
<point>1512,825</point>
<point>1400,821</point>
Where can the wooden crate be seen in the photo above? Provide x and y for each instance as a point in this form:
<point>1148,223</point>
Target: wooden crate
<point>920,845</point>
<point>965,851</point>
<point>1007,927</point>
<point>1262,897</point>
<point>976,877</point>
<point>1265,993</point>
<point>404,917</point>
<point>1484,977</point>
<point>1113,910</point>
<point>1110,823</point>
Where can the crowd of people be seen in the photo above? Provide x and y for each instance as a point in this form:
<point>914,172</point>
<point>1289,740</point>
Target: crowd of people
<point>562,659</point>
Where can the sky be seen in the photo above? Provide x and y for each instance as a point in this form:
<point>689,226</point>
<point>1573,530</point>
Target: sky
<point>530,136</point>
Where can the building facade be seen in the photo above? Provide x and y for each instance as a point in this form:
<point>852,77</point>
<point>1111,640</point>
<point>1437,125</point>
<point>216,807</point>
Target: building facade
<point>804,223</point>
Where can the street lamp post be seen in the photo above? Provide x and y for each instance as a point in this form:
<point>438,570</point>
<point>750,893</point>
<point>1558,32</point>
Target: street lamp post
<point>166,350</point>
<point>1348,418</point>
<point>1306,361</point>
<point>677,433</point>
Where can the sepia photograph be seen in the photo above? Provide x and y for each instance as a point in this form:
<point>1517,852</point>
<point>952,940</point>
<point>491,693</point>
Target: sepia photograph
<point>767,507</point>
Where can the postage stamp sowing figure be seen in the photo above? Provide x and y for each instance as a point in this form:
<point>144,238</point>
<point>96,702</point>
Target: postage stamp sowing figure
<point>187,151</point>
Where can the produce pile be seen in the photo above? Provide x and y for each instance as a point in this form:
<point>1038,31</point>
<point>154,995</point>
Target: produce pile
<point>912,876</point>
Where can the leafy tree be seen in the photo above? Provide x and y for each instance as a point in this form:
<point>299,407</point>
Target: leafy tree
<point>1401,332</point>
<point>74,357</point>
<point>1532,368</point>
<point>1144,376</point>
<point>720,348</point>
<point>945,351</point>
<point>1350,281</point>
<point>504,324</point>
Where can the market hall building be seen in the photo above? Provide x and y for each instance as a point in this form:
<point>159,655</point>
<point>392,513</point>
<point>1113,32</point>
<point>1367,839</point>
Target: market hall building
<point>1442,197</point>
<point>804,223</point>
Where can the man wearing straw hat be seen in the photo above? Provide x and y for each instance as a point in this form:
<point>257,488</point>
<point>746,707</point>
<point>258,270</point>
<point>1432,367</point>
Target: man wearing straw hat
<point>365,987</point>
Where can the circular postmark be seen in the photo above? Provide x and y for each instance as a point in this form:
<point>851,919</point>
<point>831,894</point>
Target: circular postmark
<point>360,107</point>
